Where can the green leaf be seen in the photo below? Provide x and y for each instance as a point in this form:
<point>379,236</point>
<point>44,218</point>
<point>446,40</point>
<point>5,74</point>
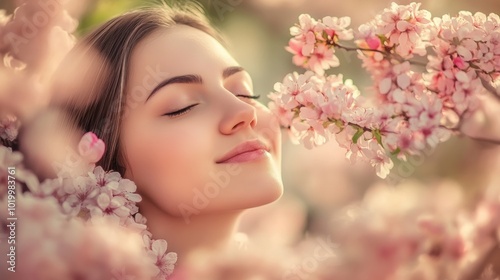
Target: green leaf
<point>382,38</point>
<point>378,136</point>
<point>357,135</point>
<point>395,152</point>
<point>324,35</point>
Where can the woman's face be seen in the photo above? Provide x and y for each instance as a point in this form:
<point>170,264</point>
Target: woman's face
<point>193,139</point>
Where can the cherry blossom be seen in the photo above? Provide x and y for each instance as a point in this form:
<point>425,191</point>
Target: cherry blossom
<point>9,127</point>
<point>105,198</point>
<point>91,147</point>
<point>405,28</point>
<point>57,27</point>
<point>14,159</point>
<point>51,246</point>
<point>86,224</point>
<point>311,44</point>
<point>414,104</point>
<point>164,261</point>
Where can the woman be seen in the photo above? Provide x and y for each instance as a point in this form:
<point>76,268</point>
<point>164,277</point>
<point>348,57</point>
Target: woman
<point>180,119</point>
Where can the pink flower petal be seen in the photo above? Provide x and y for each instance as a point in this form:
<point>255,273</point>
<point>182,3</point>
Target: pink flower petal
<point>103,201</point>
<point>91,148</point>
<point>402,25</point>
<point>385,85</point>
<point>159,247</point>
<point>403,81</point>
<point>462,77</point>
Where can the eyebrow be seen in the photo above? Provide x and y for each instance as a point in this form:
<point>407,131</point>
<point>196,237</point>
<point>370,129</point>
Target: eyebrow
<point>192,79</point>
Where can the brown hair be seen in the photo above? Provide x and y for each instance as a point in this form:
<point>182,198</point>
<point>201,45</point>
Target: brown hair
<point>114,42</point>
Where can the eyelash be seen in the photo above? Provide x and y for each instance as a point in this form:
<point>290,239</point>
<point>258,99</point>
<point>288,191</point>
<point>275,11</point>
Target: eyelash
<point>249,96</point>
<point>181,111</point>
<point>188,108</point>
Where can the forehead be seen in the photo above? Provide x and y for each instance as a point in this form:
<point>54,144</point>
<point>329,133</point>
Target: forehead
<point>179,50</point>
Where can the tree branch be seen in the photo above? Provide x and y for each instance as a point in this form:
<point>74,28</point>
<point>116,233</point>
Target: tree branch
<point>385,53</point>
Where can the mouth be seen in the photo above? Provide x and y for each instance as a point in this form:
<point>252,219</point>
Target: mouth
<point>245,152</point>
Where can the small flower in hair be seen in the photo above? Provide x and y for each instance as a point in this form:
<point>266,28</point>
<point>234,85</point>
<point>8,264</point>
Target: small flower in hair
<point>91,148</point>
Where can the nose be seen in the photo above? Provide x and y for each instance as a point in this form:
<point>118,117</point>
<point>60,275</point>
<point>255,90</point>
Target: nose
<point>237,115</point>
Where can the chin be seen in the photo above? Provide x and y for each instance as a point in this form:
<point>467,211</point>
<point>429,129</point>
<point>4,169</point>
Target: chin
<point>247,194</point>
<point>268,190</point>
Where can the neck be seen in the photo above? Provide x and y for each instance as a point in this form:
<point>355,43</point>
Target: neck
<point>209,232</point>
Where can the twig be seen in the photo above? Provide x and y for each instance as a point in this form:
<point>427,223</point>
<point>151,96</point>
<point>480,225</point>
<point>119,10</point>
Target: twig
<point>358,49</point>
<point>385,53</point>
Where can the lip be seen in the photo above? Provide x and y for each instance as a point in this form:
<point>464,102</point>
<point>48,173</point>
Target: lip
<point>246,151</point>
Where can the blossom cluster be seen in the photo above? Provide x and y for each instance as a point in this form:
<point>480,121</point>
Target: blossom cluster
<point>415,104</point>
<point>34,40</point>
<point>95,203</point>
<point>50,245</point>
<point>86,224</point>
<point>76,225</point>
<point>416,236</point>
<point>404,233</point>
<point>312,39</point>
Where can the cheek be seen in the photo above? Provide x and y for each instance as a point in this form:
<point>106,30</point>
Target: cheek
<point>269,128</point>
<point>165,161</point>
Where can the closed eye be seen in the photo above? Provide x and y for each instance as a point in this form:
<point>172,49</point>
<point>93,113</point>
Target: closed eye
<point>181,111</point>
<point>249,96</point>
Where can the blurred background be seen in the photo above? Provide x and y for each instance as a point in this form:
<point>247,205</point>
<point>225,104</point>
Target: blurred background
<point>320,182</point>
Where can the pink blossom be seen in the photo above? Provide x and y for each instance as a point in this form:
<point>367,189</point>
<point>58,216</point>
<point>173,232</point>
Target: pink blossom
<point>96,194</point>
<point>105,198</point>
<point>413,237</point>
<point>295,47</point>
<point>77,195</point>
<point>293,85</point>
<point>107,204</point>
<point>411,108</point>
<point>322,58</point>
<point>44,49</point>
<point>310,133</point>
<point>9,127</point>
<point>51,246</point>
<point>305,34</point>
<point>405,27</point>
<point>163,261</point>
<point>306,24</point>
<point>378,158</point>
<point>14,159</point>
<point>368,38</point>
<point>336,28</point>
<point>91,148</point>
<point>284,116</point>
<point>312,41</point>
